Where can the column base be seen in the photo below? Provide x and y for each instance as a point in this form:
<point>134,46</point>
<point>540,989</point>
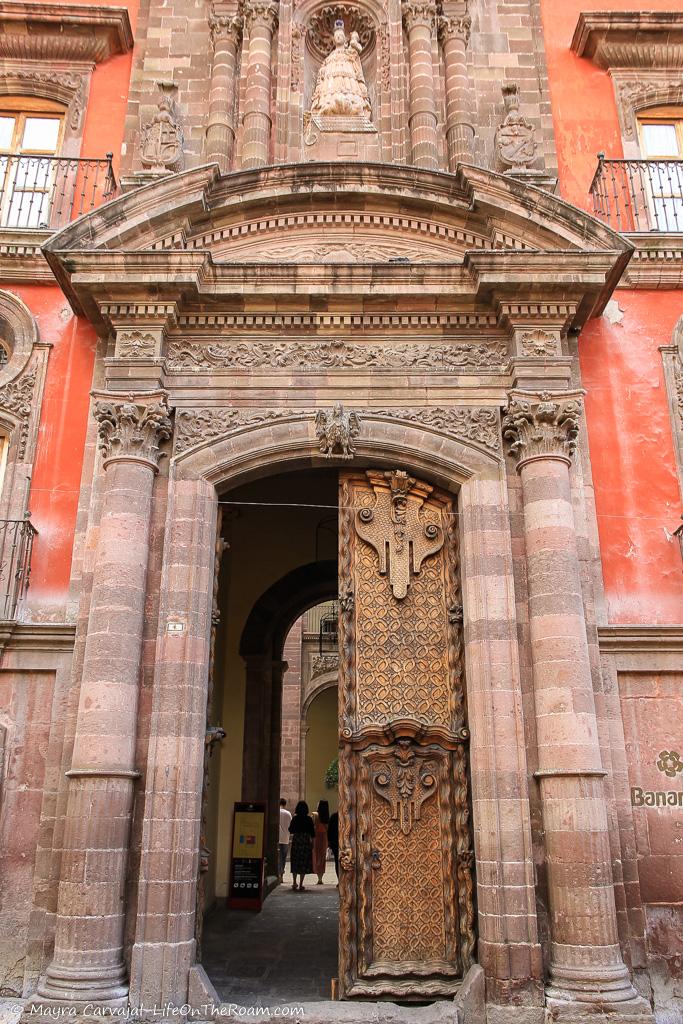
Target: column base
<point>107,986</point>
<point>583,1007</point>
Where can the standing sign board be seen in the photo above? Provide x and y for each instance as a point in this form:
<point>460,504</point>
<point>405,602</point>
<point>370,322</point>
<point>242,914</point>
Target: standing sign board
<point>246,871</point>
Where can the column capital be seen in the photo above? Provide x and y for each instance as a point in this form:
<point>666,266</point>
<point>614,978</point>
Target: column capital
<point>418,12</point>
<point>225,28</point>
<point>131,429</point>
<point>454,26</point>
<point>261,12</point>
<point>543,425</point>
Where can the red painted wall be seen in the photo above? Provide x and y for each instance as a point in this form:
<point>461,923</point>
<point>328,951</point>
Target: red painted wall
<point>629,426</point>
<point>59,459</point>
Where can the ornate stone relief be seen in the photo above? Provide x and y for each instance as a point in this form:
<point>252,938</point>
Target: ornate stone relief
<point>225,26</point>
<point>298,36</point>
<point>263,12</point>
<point>17,398</point>
<point>394,527</point>
<point>320,37</point>
<point>538,343</point>
<point>544,424</point>
<point>162,138</point>
<point>197,426</point>
<point>454,25</point>
<point>128,430</point>
<point>335,353</point>
<point>324,663</point>
<point>515,139</point>
<point>418,12</point>
<point>405,781</point>
<point>58,84</point>
<point>135,343</point>
<point>336,431</point>
<point>652,87</point>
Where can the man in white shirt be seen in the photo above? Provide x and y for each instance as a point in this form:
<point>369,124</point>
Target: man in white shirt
<point>283,842</point>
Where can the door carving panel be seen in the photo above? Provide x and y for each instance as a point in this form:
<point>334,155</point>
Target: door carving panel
<point>406,888</point>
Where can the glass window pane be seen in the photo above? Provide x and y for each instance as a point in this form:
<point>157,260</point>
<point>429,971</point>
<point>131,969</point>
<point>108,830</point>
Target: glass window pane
<point>6,132</point>
<point>28,210</point>
<point>41,133</point>
<point>33,172</point>
<point>660,140</point>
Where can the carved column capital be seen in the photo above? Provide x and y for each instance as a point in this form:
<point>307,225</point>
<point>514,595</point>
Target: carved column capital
<point>225,28</point>
<point>418,12</point>
<point>130,430</point>
<point>454,26</point>
<point>542,425</point>
<point>261,12</point>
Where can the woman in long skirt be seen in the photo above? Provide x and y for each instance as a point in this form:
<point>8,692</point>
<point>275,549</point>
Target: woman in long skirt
<point>322,820</point>
<point>302,832</point>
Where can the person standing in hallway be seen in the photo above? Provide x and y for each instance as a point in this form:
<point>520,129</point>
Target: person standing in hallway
<point>302,830</point>
<point>322,820</point>
<point>333,839</point>
<point>283,841</point>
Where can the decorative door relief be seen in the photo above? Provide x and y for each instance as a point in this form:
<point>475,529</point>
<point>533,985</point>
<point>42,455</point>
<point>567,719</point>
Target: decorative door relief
<point>403,786</point>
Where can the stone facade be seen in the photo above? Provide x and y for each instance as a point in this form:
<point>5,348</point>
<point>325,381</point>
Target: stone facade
<point>337,266</point>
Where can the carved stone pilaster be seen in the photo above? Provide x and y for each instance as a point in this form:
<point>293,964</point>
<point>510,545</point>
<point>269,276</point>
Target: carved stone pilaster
<point>542,426</point>
<point>128,430</point>
<point>418,13</point>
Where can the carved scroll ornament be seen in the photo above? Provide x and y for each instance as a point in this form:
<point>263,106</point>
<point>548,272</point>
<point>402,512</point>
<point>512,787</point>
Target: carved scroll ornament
<point>396,530</point>
<point>542,425</point>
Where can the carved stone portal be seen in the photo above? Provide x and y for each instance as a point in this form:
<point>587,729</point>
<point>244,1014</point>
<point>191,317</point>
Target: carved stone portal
<point>396,529</point>
<point>403,790</point>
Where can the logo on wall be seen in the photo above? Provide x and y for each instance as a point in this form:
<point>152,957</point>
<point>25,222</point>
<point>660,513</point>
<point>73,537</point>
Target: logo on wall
<point>669,763</point>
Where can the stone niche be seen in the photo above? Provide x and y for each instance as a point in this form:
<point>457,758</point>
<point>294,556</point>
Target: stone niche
<point>339,93</point>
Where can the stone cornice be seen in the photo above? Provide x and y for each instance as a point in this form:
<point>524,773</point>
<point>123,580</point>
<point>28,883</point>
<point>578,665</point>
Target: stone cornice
<point>656,639</point>
<point>21,256</point>
<point>630,39</point>
<point>69,32</point>
<point>657,261</point>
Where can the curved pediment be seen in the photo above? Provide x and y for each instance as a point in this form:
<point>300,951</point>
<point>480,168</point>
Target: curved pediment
<point>335,213</point>
<point>299,230</point>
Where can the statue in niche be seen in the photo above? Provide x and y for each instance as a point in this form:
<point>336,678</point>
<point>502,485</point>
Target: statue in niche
<point>340,89</point>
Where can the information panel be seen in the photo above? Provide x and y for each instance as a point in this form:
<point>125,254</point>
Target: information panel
<point>246,871</point>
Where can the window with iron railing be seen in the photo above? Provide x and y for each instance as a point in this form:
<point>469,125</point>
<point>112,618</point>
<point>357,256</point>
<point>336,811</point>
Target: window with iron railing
<point>647,194</point>
<point>39,188</point>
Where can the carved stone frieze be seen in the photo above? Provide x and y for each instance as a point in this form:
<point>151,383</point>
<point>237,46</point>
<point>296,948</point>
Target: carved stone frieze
<point>516,143</point>
<point>335,353</point>
<point>395,528</point>
<point>480,425</point>
<point>538,343</point>
<point>542,425</point>
<point>129,430</point>
<point>17,398</point>
<point>405,781</point>
<point>323,663</point>
<point>162,138</point>
<point>647,88</point>
<point>196,426</point>
<point>336,431</point>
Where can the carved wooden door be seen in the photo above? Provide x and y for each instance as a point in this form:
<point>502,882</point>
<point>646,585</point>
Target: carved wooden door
<point>406,888</point>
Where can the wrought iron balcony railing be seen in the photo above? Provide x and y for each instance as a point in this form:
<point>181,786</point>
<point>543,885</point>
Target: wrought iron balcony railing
<point>16,545</point>
<point>49,191</point>
<point>639,195</point>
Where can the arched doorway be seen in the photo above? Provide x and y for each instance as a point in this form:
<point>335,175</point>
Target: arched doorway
<point>406,857</point>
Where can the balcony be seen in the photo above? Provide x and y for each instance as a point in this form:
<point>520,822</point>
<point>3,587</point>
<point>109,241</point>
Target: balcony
<point>46,192</point>
<point>637,196</point>
<point>16,546</point>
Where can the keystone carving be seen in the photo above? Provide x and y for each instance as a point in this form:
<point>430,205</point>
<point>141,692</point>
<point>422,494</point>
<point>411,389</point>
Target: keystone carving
<point>405,783</point>
<point>515,139</point>
<point>336,432</point>
<point>131,431</point>
<point>162,137</point>
<point>397,531</point>
<point>542,425</point>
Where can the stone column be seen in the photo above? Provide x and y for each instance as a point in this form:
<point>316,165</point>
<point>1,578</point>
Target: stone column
<point>585,967</point>
<point>419,18</point>
<point>454,32</point>
<point>226,33</point>
<point>262,16</point>
<point>88,958</point>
